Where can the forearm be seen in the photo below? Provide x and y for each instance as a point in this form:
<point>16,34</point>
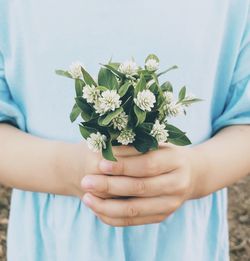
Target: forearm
<point>34,164</point>
<point>222,160</point>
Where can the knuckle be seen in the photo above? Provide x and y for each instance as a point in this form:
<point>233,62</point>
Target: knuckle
<point>128,221</point>
<point>118,168</point>
<point>131,211</point>
<point>105,187</point>
<point>151,166</point>
<point>139,187</point>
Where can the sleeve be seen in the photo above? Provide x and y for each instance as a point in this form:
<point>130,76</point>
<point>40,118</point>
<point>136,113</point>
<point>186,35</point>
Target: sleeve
<point>237,107</point>
<point>9,111</point>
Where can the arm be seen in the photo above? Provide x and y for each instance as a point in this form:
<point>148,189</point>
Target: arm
<point>222,160</point>
<point>161,181</point>
<point>31,163</point>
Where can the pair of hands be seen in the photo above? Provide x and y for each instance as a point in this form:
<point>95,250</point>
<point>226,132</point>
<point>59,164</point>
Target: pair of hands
<point>139,188</point>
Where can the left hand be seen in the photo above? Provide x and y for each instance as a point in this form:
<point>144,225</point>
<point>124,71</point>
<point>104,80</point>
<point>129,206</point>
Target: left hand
<point>157,184</point>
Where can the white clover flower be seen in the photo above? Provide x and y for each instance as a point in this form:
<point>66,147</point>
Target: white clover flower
<point>90,93</point>
<point>126,137</point>
<point>108,101</point>
<point>75,70</point>
<point>96,141</point>
<point>173,109</point>
<point>145,100</point>
<point>128,68</point>
<point>120,121</point>
<point>159,132</point>
<point>168,97</point>
<point>152,64</point>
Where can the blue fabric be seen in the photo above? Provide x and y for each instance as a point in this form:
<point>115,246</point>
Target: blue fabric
<point>208,40</point>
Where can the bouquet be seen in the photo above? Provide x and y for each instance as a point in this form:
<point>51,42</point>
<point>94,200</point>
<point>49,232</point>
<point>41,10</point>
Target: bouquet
<point>127,105</point>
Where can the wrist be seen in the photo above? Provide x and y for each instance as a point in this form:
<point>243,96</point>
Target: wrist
<point>68,170</point>
<point>199,169</point>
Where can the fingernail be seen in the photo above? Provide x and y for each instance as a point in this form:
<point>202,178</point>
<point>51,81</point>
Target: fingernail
<point>106,166</point>
<point>87,200</point>
<point>88,182</point>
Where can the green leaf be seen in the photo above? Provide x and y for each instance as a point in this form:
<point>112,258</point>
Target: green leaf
<point>180,141</point>
<point>140,114</point>
<point>188,102</point>
<point>124,88</point>
<point>87,77</point>
<point>182,93</point>
<point>102,88</point>
<point>108,153</point>
<point>153,88</point>
<point>141,85</point>
<point>174,132</point>
<point>63,73</point>
<point>93,124</point>
<point>114,65</point>
<point>86,109</point>
<point>75,113</point>
<point>114,70</point>
<point>127,104</point>
<point>152,56</point>
<point>79,86</point>
<point>104,121</point>
<point>144,141</point>
<point>169,69</point>
<point>86,131</point>
<point>113,134</point>
<point>167,87</point>
<point>147,126</point>
<point>108,79</point>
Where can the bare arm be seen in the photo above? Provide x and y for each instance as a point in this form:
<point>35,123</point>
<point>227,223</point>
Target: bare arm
<point>35,164</point>
<point>222,160</point>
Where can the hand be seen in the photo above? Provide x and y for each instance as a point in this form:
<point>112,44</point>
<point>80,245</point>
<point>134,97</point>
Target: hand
<point>77,161</point>
<point>157,183</point>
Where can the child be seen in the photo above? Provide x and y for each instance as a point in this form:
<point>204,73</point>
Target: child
<point>66,203</point>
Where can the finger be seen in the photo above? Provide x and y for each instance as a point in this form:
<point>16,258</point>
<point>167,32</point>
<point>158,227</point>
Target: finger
<point>149,164</point>
<point>124,222</point>
<point>131,207</point>
<point>165,184</point>
<point>125,151</point>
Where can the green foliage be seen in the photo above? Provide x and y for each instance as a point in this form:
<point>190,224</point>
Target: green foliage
<point>63,73</point>
<point>106,119</point>
<point>107,79</point>
<point>87,78</point>
<point>107,153</point>
<point>144,141</point>
<point>137,119</point>
<point>140,114</point>
<point>76,111</point>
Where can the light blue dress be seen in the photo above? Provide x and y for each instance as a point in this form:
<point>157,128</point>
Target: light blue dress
<point>208,40</point>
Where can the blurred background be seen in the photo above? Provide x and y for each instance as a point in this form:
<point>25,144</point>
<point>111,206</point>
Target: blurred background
<point>238,215</point>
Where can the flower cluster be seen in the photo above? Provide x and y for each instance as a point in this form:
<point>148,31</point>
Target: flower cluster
<point>127,105</point>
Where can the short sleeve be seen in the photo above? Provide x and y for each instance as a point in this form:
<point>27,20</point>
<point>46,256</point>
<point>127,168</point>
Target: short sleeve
<point>9,111</point>
<point>237,107</point>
